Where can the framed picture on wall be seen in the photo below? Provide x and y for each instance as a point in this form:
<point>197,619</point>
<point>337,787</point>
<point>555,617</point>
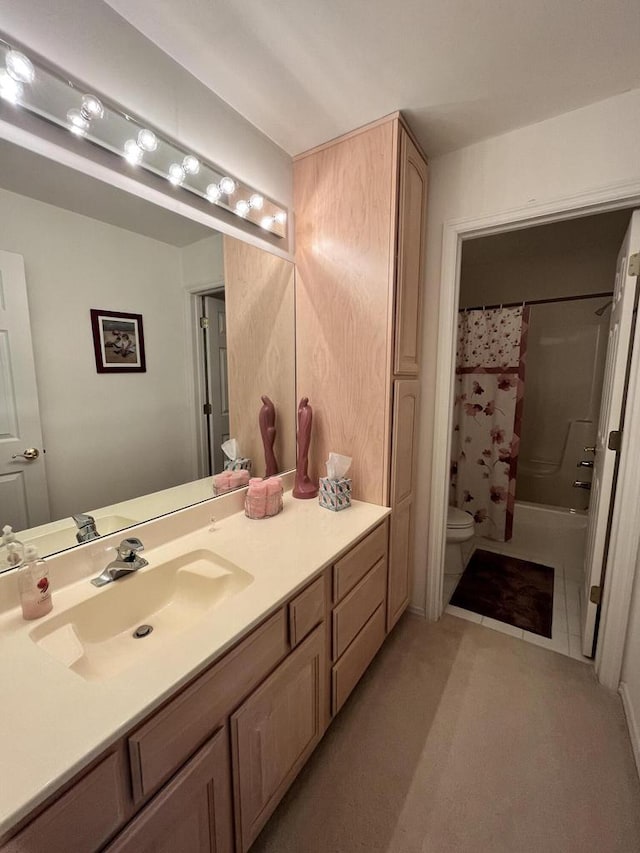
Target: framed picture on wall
<point>118,342</point>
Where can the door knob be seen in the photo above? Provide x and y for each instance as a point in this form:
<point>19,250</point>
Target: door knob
<point>29,454</point>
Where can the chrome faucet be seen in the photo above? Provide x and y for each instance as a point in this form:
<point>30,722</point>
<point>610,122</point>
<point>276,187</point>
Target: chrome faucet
<point>86,527</point>
<point>126,563</point>
<point>582,484</point>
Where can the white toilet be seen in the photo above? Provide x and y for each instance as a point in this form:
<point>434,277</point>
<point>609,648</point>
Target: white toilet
<point>460,529</point>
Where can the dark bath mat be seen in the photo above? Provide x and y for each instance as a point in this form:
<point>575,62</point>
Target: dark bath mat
<point>508,589</point>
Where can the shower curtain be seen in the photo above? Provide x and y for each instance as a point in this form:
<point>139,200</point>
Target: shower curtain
<point>489,398</point>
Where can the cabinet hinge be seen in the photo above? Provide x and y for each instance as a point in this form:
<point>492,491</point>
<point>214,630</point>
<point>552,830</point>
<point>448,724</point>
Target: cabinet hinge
<point>595,594</point>
<point>634,264</point>
<point>207,410</point>
<point>615,440</point>
<point>204,322</point>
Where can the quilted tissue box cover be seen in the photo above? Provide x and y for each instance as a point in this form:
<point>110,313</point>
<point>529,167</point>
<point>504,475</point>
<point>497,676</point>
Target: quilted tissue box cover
<point>335,494</point>
<point>237,464</point>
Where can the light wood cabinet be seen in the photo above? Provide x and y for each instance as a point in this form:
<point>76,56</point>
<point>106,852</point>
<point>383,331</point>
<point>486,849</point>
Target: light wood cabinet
<point>412,220</point>
<point>205,771</point>
<point>403,474</point>
<point>82,818</point>
<point>360,205</point>
<point>273,734</point>
<point>192,813</point>
<point>358,617</point>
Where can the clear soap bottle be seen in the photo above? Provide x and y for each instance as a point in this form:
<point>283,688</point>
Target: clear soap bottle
<point>33,584</point>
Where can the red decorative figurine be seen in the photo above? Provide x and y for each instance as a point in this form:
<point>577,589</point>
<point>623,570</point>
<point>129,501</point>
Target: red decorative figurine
<point>304,487</point>
<point>267,421</point>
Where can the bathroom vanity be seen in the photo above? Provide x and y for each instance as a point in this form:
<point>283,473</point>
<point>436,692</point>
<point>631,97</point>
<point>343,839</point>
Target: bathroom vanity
<point>188,738</point>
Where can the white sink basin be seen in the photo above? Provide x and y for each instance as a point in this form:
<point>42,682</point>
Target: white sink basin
<point>95,638</point>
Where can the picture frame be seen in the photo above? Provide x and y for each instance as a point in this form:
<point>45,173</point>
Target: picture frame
<point>118,341</point>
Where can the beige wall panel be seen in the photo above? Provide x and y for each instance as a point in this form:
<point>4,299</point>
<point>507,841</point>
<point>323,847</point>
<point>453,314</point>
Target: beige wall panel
<point>346,215</point>
<point>260,297</point>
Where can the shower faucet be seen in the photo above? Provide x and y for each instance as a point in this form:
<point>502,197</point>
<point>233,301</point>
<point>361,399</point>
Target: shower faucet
<point>585,463</point>
<point>582,484</point>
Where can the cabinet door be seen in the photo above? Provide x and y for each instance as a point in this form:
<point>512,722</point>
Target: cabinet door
<point>192,813</point>
<point>403,472</point>
<point>411,247</point>
<point>273,734</point>
<point>400,551</point>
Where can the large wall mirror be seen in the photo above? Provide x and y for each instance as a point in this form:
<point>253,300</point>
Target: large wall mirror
<point>214,315</point>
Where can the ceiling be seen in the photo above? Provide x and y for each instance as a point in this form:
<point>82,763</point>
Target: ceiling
<point>304,71</point>
<point>602,231</point>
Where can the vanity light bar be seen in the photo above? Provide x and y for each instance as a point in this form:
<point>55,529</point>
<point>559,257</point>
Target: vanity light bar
<point>66,103</point>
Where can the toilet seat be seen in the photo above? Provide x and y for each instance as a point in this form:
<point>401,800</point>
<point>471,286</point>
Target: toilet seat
<point>458,519</point>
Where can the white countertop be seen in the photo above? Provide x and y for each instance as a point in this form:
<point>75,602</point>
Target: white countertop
<point>53,721</point>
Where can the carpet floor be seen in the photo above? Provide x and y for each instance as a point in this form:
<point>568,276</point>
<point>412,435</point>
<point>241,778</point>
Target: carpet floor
<point>462,739</point>
<point>508,589</point>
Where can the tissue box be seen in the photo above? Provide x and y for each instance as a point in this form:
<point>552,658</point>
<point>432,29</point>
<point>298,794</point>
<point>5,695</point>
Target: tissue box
<point>237,464</point>
<point>335,494</point>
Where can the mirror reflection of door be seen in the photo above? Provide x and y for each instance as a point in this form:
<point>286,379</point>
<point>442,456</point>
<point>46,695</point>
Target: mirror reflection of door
<point>24,500</point>
<point>216,390</point>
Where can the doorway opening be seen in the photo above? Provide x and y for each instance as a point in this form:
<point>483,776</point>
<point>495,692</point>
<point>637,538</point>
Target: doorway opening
<point>538,331</point>
<point>212,392</point>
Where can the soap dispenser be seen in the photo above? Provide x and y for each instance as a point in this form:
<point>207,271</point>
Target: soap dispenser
<point>33,584</point>
<point>12,550</point>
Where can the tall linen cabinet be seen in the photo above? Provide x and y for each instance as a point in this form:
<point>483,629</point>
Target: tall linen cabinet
<point>360,204</point>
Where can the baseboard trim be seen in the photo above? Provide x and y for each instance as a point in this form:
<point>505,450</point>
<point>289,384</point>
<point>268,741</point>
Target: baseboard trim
<point>417,611</point>
<point>632,723</point>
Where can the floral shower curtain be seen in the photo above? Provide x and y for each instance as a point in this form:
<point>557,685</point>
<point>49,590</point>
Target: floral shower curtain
<point>489,399</point>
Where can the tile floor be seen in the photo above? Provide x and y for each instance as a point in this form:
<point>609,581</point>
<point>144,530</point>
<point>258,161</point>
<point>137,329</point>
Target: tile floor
<point>566,627</point>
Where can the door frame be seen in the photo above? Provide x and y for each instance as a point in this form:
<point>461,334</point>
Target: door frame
<point>195,376</point>
<point>625,539</point>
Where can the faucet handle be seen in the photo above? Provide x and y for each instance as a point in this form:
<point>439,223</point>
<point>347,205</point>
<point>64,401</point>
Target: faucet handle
<point>83,520</point>
<point>128,549</point>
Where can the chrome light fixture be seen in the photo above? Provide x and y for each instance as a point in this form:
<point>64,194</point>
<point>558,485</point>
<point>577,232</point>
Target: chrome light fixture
<point>62,101</point>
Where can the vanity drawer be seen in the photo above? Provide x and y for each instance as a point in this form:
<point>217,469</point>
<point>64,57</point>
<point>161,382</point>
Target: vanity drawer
<point>354,611</point>
<point>306,611</point>
<point>84,817</point>
<point>162,745</point>
<point>353,663</point>
<point>354,565</point>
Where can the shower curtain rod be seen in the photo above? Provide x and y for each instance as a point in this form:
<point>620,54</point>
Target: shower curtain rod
<point>540,301</point>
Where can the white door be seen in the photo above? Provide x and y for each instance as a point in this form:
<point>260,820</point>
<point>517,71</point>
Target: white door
<point>611,410</point>
<point>216,403</point>
<point>24,500</point>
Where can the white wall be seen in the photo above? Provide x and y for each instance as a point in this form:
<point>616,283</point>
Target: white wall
<point>108,437</point>
<point>93,43</point>
<point>587,149</point>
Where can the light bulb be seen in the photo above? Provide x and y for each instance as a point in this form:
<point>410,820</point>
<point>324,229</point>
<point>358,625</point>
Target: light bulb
<point>20,68</point>
<point>243,207</point>
<point>191,165</point>
<point>266,222</point>
<point>10,89</point>
<point>77,122</point>
<point>91,107</point>
<point>213,192</point>
<point>280,217</point>
<point>132,152</point>
<point>176,174</point>
<point>147,140</point>
<point>228,186</point>
<point>256,201</point>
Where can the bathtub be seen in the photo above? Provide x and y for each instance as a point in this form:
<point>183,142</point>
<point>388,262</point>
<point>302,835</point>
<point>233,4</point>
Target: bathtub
<point>550,535</point>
